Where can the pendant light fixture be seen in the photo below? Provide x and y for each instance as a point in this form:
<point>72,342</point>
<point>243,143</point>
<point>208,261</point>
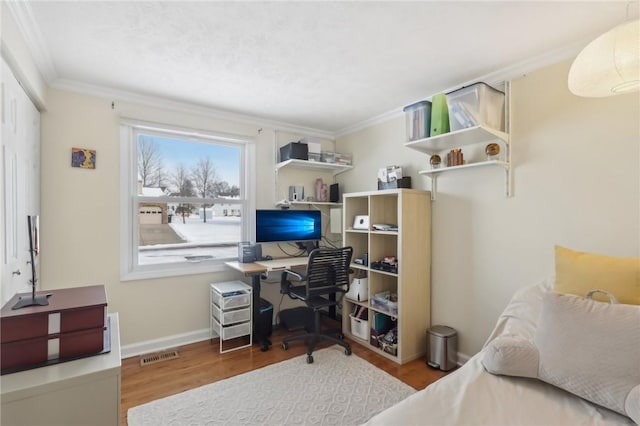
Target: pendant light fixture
<point>609,65</point>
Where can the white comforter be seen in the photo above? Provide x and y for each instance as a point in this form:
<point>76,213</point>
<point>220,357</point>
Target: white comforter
<point>471,396</point>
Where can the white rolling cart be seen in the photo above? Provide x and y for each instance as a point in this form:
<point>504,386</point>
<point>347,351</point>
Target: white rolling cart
<point>231,313</point>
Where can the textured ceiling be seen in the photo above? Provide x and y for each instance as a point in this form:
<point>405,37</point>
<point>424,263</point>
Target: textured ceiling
<point>323,65</point>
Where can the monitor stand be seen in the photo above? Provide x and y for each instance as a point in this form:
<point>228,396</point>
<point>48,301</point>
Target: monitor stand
<point>309,246</point>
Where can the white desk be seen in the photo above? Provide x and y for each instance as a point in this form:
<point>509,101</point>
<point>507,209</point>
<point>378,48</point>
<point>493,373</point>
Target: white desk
<point>81,392</point>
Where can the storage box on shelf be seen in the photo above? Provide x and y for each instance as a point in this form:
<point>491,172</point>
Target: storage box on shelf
<point>409,209</point>
<point>359,327</point>
<point>231,313</point>
<point>476,105</point>
<point>294,150</point>
<point>384,304</point>
<point>343,158</point>
<point>418,120</point>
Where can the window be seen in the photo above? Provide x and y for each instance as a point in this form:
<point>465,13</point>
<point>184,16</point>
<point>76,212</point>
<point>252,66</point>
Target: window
<point>187,200</point>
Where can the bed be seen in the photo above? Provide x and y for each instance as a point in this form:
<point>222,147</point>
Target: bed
<point>472,396</point>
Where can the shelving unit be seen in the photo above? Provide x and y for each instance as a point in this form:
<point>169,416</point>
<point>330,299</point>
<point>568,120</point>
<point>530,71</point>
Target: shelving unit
<point>410,209</point>
<point>465,137</point>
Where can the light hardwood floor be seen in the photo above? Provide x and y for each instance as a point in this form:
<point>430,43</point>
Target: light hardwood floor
<point>201,363</point>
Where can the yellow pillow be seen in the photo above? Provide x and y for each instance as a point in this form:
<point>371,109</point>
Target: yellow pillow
<point>578,272</point>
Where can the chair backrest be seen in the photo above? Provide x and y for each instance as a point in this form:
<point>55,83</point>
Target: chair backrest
<point>328,270</point>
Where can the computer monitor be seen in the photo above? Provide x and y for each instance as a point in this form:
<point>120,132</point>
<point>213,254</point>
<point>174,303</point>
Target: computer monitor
<point>274,226</point>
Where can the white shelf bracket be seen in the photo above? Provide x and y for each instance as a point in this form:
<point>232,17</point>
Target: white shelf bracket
<point>434,187</point>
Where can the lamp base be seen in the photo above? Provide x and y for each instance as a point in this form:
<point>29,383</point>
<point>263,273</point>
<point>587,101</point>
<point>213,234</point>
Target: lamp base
<point>33,300</point>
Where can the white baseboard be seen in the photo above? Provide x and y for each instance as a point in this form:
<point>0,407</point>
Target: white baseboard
<point>462,359</point>
<point>156,345</point>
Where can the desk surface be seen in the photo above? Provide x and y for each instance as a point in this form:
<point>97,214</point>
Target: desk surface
<point>268,265</point>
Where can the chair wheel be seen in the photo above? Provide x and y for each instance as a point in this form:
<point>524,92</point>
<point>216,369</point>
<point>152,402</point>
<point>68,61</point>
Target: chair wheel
<point>340,336</point>
<point>309,359</point>
<point>347,351</point>
<point>285,346</point>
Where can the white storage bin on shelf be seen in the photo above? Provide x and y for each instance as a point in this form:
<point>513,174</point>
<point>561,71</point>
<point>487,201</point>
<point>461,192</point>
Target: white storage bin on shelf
<point>476,105</point>
<point>385,305</point>
<point>359,328</point>
<point>418,120</point>
<point>231,313</point>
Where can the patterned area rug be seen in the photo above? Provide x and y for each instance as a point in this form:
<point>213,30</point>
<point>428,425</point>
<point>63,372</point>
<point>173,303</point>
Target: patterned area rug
<point>335,390</point>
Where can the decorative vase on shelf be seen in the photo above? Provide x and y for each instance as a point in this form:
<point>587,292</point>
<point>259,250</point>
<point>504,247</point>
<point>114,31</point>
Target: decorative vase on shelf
<point>493,151</point>
<point>321,190</point>
<point>435,161</point>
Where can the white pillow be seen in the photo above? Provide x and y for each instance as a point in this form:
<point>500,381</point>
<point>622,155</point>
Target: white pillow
<point>588,348</point>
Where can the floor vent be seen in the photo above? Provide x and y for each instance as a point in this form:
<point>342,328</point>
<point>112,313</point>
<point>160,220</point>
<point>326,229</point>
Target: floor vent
<point>158,356</point>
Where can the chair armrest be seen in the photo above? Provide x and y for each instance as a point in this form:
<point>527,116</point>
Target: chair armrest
<point>298,276</point>
<point>285,284</point>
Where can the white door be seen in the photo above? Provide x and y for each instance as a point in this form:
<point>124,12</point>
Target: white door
<point>20,184</point>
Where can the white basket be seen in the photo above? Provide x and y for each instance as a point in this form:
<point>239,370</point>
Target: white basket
<point>359,328</point>
<point>358,290</point>
<point>232,331</point>
<point>230,317</point>
<point>232,294</point>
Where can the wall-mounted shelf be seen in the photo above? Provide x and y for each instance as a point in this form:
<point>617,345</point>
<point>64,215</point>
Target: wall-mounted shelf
<point>465,137</point>
<point>319,203</point>
<point>457,139</point>
<point>334,168</point>
<point>434,173</point>
<point>491,163</point>
<point>306,203</point>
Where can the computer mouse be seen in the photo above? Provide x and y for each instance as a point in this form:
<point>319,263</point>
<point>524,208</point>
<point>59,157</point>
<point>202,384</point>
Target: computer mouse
<point>267,257</point>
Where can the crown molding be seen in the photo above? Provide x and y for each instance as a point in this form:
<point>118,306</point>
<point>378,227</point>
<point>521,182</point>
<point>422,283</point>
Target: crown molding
<point>512,72</point>
<point>177,106</point>
<point>23,16</point>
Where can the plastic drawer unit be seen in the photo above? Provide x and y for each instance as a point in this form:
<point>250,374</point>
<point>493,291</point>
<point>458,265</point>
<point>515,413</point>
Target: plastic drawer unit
<point>231,313</point>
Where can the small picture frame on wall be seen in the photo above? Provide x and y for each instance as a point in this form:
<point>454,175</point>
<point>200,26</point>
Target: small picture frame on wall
<point>83,158</point>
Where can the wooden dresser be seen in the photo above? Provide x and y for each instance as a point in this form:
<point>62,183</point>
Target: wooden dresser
<point>72,325</point>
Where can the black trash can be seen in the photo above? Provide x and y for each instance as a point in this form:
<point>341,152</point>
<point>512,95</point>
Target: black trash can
<point>264,323</point>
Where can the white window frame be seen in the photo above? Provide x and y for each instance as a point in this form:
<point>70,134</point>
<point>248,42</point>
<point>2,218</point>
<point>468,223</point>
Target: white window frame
<point>129,199</point>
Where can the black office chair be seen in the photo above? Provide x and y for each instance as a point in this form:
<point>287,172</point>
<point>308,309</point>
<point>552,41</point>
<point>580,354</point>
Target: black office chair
<point>325,282</point>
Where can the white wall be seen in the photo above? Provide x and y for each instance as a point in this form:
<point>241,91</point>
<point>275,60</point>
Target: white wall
<point>576,183</point>
<point>80,210</point>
